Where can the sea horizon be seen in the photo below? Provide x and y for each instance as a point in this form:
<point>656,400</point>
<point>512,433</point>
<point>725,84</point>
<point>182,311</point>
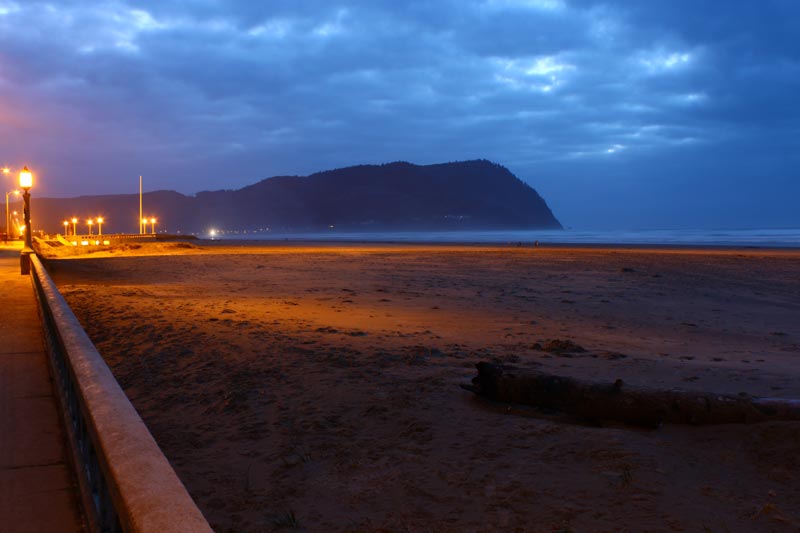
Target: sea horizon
<point>759,238</point>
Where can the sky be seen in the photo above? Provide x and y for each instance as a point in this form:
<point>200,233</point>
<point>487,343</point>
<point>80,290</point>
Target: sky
<point>636,114</point>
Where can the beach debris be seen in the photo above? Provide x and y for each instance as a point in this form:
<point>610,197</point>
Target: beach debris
<point>425,351</point>
<point>296,457</point>
<point>611,356</point>
<point>287,520</point>
<point>771,511</point>
<point>620,402</point>
<point>559,347</point>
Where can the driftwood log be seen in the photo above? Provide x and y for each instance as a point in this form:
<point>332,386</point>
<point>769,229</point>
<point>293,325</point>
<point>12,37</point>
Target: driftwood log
<point>619,402</point>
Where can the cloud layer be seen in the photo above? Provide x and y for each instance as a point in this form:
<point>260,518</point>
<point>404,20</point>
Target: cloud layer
<point>622,114</point>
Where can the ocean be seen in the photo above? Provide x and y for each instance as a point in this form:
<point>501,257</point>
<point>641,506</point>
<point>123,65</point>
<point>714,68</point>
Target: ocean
<point>761,238</point>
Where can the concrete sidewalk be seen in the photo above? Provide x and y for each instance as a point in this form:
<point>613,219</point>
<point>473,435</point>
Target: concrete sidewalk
<point>37,489</point>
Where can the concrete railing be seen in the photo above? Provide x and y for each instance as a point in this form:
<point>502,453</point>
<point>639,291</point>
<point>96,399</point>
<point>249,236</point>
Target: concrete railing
<point>105,240</point>
<point>126,483</point>
<point>113,239</point>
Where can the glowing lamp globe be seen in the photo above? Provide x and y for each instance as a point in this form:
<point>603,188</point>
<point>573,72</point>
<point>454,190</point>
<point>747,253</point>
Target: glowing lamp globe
<point>25,179</point>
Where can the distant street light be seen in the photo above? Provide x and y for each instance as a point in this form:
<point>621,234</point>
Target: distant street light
<point>25,183</point>
<point>99,225</point>
<point>66,228</point>
<point>8,221</point>
<point>74,225</point>
<point>90,222</point>
<point>153,227</point>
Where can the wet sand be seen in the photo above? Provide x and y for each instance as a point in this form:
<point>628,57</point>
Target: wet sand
<point>317,385</point>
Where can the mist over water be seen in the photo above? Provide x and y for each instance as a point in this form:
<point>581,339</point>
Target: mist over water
<point>762,238</point>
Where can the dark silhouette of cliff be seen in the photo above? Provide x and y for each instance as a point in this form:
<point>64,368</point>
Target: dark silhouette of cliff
<point>469,195</point>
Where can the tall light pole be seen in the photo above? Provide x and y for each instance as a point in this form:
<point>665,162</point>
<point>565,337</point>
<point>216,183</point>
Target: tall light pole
<point>153,227</point>
<point>99,225</point>
<point>74,225</point>
<point>143,222</point>
<point>89,223</point>
<point>66,228</point>
<point>25,183</point>
<point>8,221</point>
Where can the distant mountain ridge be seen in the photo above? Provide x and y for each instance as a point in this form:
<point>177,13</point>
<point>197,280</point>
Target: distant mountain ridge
<point>468,195</point>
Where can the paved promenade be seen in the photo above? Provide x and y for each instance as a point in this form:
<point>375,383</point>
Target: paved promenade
<point>37,492</point>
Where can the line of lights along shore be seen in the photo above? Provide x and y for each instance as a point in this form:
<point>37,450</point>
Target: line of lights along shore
<point>71,224</point>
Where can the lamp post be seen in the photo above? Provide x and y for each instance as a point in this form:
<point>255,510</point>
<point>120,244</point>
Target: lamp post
<point>25,183</point>
<point>8,221</point>
<point>74,225</point>
<point>153,227</point>
<point>89,223</point>
<point>99,225</point>
<point>66,228</point>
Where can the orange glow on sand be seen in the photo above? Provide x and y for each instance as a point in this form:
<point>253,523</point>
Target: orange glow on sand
<point>371,342</point>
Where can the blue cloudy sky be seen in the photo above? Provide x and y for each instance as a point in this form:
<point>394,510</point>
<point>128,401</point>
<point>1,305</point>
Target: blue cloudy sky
<point>622,114</point>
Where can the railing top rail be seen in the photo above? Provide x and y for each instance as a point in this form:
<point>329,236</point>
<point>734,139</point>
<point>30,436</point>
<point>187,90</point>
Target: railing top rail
<point>147,494</point>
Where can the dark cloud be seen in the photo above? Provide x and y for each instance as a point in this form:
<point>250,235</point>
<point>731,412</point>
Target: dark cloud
<point>621,113</point>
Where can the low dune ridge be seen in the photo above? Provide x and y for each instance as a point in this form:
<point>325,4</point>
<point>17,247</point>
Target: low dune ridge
<point>315,386</point>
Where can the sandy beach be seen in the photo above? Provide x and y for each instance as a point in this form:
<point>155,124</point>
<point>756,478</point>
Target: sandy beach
<point>316,386</point>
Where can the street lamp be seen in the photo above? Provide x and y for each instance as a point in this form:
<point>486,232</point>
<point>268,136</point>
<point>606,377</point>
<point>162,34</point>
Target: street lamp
<point>90,222</point>
<point>153,227</point>
<point>25,183</point>
<point>8,222</point>
<point>99,225</point>
<point>74,225</point>
<point>66,228</point>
